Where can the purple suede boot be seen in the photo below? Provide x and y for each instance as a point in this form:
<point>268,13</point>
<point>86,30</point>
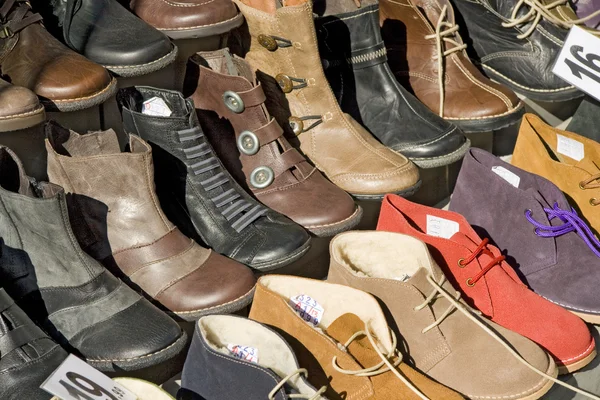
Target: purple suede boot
<point>527,216</point>
<point>583,8</point>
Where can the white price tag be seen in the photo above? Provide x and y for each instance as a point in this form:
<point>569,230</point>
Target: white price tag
<point>76,380</point>
<point>308,308</point>
<point>441,227</point>
<point>157,107</point>
<point>579,61</point>
<point>508,176</point>
<point>570,147</point>
<point>244,352</point>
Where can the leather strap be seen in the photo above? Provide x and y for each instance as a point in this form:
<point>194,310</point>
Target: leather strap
<point>5,301</point>
<point>286,161</point>
<point>269,132</point>
<point>18,337</point>
<point>253,97</point>
<point>171,244</point>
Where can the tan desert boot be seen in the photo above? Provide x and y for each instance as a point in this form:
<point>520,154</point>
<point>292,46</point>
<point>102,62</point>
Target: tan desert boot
<point>299,97</point>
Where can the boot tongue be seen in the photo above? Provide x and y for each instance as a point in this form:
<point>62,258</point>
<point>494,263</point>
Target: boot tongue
<point>361,349</point>
<point>93,144</point>
<point>13,174</point>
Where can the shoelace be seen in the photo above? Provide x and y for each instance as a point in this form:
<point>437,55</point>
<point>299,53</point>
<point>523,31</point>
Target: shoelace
<point>481,249</point>
<point>442,37</point>
<point>297,124</point>
<point>384,366</point>
<point>300,371</point>
<point>572,222</point>
<point>455,304</point>
<point>21,17</point>
<point>537,11</point>
<point>229,203</point>
<point>587,184</point>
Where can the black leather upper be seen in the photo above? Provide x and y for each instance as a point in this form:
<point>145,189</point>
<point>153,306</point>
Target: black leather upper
<point>103,31</point>
<point>367,90</point>
<point>27,355</point>
<point>268,242</point>
<point>525,64</point>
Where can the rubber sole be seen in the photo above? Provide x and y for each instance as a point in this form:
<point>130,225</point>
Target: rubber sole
<point>205,30</point>
<point>487,124</point>
<point>23,121</point>
<point>81,103</point>
<point>296,255</point>
<point>447,159</point>
<point>547,95</point>
<point>333,229</point>
<point>226,308</point>
<point>577,365</point>
<point>553,372</point>
<point>590,318</point>
<point>403,193</point>
<point>141,362</point>
<point>127,71</point>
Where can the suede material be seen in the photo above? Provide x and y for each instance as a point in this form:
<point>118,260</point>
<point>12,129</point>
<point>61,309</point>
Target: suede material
<point>536,152</point>
<point>499,294</point>
<point>561,269</point>
<point>315,348</point>
<point>387,385</point>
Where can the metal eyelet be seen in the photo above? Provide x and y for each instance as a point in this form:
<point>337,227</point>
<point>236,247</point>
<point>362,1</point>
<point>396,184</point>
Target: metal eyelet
<point>5,32</point>
<point>528,210</point>
<point>296,124</point>
<point>233,101</point>
<point>593,201</point>
<point>262,177</point>
<point>248,143</point>
<point>460,263</point>
<point>267,42</point>
<point>285,83</point>
<point>581,186</point>
<point>470,282</point>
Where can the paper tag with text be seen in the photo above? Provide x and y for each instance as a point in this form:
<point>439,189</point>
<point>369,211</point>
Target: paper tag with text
<point>570,147</point>
<point>157,107</point>
<point>508,176</point>
<point>441,227</point>
<point>244,352</point>
<point>579,61</point>
<point>308,308</point>
<point>76,380</point>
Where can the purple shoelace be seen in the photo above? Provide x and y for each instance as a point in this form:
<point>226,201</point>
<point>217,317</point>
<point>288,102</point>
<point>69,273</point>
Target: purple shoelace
<point>572,222</point>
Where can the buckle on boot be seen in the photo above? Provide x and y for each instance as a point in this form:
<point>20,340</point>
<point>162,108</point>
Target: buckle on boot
<point>5,33</point>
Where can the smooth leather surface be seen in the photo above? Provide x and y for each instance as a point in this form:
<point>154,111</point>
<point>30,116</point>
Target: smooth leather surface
<point>26,366</point>
<point>299,191</point>
<point>525,63</point>
<point>183,14</point>
<point>100,176</point>
<point>500,295</point>
<point>413,59</point>
<point>481,196</point>
<point>362,166</point>
<point>369,92</point>
<point>48,274</point>
<point>16,100</point>
<point>269,240</point>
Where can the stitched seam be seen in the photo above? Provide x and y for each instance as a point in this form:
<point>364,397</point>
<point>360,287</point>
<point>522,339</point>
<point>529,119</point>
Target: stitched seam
<point>336,223</point>
<point>487,88</point>
<point>511,111</point>
<point>528,88</point>
<point>571,307</point>
<point>242,297</point>
<point>112,84</point>
<point>138,357</point>
<point>36,111</point>
<point>142,65</point>
<point>200,26</point>
<point>461,149</point>
<point>170,3</point>
<point>592,345</point>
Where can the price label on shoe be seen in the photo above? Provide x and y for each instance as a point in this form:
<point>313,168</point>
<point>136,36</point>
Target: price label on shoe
<point>579,61</point>
<point>76,380</point>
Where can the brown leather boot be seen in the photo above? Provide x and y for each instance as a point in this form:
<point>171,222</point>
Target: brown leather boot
<point>251,141</point>
<point>299,97</point>
<point>113,199</point>
<point>20,108</point>
<point>445,81</point>
<point>31,57</point>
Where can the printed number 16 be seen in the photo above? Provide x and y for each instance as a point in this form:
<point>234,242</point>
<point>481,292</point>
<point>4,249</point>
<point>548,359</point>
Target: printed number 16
<point>588,61</point>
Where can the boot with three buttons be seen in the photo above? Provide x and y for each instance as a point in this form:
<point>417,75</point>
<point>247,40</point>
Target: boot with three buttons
<point>300,99</point>
<point>249,141</point>
<point>198,193</point>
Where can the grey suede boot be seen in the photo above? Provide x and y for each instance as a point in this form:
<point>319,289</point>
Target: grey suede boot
<point>78,302</point>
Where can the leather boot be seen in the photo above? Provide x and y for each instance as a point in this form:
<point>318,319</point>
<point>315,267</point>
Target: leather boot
<point>516,51</point>
<point>252,140</point>
<point>187,19</point>
<point>562,14</point>
<point>28,356</point>
<point>448,83</point>
<point>129,232</point>
<point>551,248</point>
<point>65,291</point>
<point>198,192</point>
<point>108,34</point>
<point>355,61</point>
<point>31,57</point>
<point>300,99</point>
<point>20,109</point>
